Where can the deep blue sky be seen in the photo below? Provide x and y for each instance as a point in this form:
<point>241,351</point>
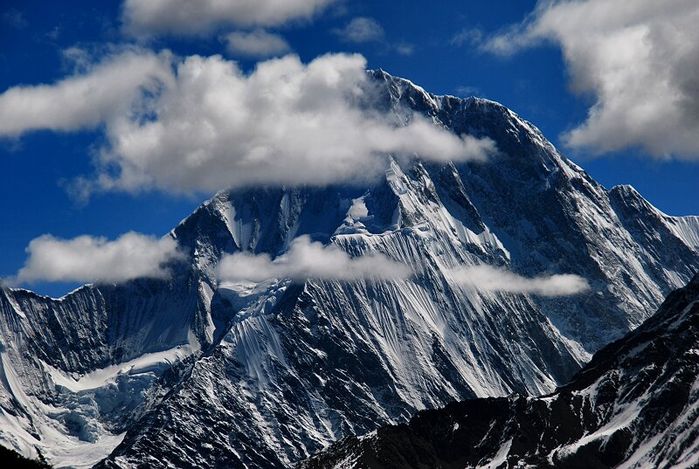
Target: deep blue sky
<point>532,83</point>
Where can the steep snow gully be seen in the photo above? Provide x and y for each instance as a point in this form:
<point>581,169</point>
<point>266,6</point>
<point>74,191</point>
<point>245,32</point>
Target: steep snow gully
<point>634,405</point>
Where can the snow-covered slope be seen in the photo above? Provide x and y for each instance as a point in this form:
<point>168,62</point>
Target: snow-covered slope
<point>636,404</point>
<point>277,370</point>
<point>76,372</point>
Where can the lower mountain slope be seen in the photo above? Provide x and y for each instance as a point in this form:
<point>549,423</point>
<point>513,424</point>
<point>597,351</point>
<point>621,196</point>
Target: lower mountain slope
<point>636,404</point>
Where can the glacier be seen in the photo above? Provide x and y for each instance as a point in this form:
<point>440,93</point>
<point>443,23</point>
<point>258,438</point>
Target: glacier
<point>186,372</point>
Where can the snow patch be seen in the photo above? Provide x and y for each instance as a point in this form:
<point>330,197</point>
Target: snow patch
<point>101,377</point>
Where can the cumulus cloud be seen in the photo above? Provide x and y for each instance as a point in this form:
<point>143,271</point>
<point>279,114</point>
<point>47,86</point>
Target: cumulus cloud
<point>488,278</point>
<point>186,17</point>
<point>361,30</point>
<point>202,124</point>
<point>306,259</point>
<point>257,43</point>
<point>95,259</point>
<point>100,93</point>
<point>284,123</point>
<point>638,59</point>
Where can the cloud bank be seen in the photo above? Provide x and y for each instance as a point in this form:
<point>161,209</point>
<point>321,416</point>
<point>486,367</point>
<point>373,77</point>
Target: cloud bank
<point>200,124</point>
<point>306,259</point>
<point>94,259</point>
<point>186,17</point>
<point>488,278</point>
<point>258,43</point>
<point>638,59</point>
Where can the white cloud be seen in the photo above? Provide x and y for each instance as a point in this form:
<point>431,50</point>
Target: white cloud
<point>201,124</point>
<point>286,123</point>
<point>187,17</point>
<point>639,59</point>
<point>86,100</point>
<point>306,259</point>
<point>361,30</point>
<point>257,43</point>
<point>91,259</point>
<point>488,278</point>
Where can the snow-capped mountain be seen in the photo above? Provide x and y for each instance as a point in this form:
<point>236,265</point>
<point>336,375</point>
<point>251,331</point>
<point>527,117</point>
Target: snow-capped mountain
<point>634,405</point>
<point>187,372</point>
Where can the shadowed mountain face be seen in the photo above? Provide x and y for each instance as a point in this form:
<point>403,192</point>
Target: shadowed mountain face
<point>189,372</point>
<point>636,404</point>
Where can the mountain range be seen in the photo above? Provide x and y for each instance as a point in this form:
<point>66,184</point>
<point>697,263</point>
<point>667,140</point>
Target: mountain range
<point>191,372</point>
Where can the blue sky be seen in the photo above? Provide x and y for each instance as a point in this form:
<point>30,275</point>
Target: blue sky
<point>419,42</point>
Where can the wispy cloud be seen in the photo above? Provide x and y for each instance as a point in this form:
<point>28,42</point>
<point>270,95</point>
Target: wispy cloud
<point>305,260</point>
<point>363,30</point>
<point>94,259</point>
<point>404,48</point>
<point>14,19</point>
<point>360,30</point>
<point>258,43</point>
<point>488,278</point>
<point>467,37</point>
<point>185,17</point>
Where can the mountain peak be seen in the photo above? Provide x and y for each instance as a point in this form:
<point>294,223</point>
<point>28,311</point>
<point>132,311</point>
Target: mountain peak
<point>404,83</point>
<point>626,189</point>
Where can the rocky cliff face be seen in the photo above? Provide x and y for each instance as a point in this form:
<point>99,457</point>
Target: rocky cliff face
<point>190,372</point>
<point>634,405</point>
